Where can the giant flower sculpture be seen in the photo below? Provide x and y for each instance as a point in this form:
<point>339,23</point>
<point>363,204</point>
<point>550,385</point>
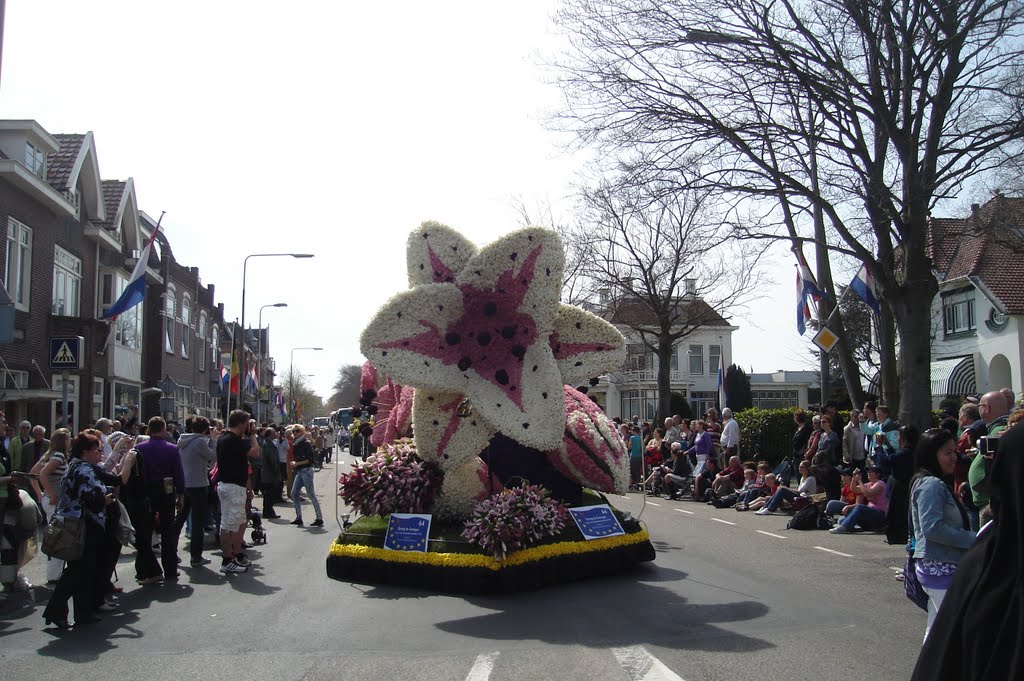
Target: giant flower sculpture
<point>484,340</point>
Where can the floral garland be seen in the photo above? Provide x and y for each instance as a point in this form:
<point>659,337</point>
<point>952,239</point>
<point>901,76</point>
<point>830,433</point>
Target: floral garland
<point>473,560</point>
<point>515,519</point>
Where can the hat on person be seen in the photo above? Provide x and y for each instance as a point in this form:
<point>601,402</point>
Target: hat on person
<point>115,437</point>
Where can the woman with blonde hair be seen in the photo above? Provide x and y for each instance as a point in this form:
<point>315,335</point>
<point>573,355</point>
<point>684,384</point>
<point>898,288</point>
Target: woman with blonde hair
<point>50,468</point>
<point>302,466</point>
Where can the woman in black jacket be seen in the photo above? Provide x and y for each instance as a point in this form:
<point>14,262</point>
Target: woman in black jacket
<point>901,470</point>
<point>800,440</point>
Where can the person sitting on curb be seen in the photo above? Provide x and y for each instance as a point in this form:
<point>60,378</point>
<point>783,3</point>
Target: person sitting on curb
<point>870,514</point>
<point>675,478</point>
<point>808,486</point>
<point>771,486</point>
<point>729,480</point>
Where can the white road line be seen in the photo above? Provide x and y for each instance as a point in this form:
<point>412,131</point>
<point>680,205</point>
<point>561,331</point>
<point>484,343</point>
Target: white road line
<point>896,569</point>
<point>770,534</point>
<point>483,667</point>
<point>683,510</point>
<point>640,665</point>
<point>724,522</point>
<point>838,553</point>
<point>651,503</point>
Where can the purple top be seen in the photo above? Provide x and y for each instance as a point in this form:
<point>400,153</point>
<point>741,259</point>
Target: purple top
<point>702,447</point>
<point>161,459</point>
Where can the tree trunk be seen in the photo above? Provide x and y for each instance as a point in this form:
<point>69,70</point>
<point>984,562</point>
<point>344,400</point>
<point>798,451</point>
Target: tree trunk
<point>847,362</point>
<point>913,322</point>
<point>665,349</point>
<point>889,375</point>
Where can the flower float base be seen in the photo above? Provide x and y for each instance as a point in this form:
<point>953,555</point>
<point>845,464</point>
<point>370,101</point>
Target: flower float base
<point>358,556</point>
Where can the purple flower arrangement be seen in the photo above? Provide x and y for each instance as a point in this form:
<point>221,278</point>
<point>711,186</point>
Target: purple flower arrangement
<point>394,480</point>
<point>516,518</point>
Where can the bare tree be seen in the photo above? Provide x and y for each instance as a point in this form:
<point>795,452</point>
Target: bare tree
<point>345,391</point>
<point>577,288</point>
<point>664,267</point>
<point>298,388</point>
<point>856,116</point>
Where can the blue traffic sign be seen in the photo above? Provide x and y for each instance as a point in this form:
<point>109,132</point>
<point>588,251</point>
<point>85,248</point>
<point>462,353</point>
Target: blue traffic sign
<point>66,352</point>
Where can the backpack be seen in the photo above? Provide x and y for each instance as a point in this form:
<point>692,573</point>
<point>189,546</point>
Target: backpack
<point>809,517</point>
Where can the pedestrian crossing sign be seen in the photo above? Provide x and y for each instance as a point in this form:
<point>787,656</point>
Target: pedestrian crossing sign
<point>66,352</point>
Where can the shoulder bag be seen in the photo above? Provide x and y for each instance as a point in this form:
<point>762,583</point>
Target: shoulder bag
<point>64,538</point>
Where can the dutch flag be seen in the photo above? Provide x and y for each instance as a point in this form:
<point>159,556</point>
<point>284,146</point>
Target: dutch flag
<point>135,292</point>
<point>806,287</point>
<point>863,285</point>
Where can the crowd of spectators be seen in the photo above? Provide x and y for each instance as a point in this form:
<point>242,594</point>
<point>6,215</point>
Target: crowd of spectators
<point>138,486</point>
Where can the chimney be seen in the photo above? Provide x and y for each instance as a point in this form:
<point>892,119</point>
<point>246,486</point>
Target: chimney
<point>974,208</point>
<point>691,287</point>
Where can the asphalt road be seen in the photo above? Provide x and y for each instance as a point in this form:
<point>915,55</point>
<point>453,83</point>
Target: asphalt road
<point>730,596</point>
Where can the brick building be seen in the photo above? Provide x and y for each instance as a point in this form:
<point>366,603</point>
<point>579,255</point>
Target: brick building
<point>72,241</point>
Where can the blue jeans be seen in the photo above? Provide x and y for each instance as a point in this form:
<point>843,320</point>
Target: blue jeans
<point>783,494</point>
<point>304,478</point>
<point>835,507</point>
<point>865,516</point>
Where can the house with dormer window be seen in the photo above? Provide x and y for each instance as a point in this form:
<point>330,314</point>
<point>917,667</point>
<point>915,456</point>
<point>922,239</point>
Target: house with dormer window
<point>978,314</point>
<point>71,243</point>
<point>633,389</point>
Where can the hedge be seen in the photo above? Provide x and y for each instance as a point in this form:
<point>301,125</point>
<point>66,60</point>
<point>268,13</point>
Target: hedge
<point>767,434</point>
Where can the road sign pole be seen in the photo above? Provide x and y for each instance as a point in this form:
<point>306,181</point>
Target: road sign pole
<point>65,378</point>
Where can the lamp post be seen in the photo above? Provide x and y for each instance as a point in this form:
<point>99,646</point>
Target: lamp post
<point>245,265</point>
<point>291,370</point>
<point>259,353</point>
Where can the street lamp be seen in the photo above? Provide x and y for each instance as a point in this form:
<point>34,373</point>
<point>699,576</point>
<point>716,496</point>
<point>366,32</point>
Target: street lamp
<point>245,265</point>
<point>259,353</point>
<point>291,371</point>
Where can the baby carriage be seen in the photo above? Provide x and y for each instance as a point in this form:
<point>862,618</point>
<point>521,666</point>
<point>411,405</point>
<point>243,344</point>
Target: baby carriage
<point>259,534</point>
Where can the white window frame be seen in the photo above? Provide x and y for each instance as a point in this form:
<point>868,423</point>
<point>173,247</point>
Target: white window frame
<point>201,334</point>
<point>67,275</point>
<point>186,321</point>
<point>35,160</point>
<point>958,315</point>
<point>215,350</point>
<point>97,398</point>
<point>695,353</point>
<point>170,308</point>
<point>714,357</point>
<point>15,379</point>
<point>19,281</point>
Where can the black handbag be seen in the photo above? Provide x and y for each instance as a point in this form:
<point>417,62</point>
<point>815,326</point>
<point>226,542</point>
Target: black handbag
<point>64,538</point>
<point>912,585</point>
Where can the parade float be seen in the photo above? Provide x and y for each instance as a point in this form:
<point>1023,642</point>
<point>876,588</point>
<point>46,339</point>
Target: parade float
<point>501,486</point>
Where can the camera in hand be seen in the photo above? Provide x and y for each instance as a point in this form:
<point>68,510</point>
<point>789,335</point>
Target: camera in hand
<point>989,445</point>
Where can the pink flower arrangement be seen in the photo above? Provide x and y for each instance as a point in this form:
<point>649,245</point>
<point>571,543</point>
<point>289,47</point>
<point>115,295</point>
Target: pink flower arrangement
<point>393,480</point>
<point>516,518</point>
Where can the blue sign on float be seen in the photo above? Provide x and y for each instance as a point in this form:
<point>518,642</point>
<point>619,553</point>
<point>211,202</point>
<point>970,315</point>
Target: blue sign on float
<point>407,532</point>
<point>596,522</point>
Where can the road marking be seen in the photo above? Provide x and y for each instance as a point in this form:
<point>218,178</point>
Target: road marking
<point>770,534</point>
<point>483,667</point>
<point>640,665</point>
<point>838,553</point>
<point>651,503</point>
<point>724,522</point>
<point>896,569</point>
<point>683,510</point>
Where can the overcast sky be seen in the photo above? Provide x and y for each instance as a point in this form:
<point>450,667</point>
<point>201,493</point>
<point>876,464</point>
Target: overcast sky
<point>332,128</point>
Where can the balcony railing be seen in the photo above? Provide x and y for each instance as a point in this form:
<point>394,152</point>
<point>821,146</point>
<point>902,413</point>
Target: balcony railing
<point>652,375</point>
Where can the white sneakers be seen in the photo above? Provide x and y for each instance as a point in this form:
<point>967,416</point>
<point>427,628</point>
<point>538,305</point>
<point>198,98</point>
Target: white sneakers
<point>763,511</point>
<point>233,568</point>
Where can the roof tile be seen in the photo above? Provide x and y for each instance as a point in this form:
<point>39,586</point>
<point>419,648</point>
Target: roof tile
<point>61,163</point>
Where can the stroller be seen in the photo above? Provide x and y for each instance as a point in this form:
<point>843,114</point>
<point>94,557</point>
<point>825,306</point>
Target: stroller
<point>259,534</point>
